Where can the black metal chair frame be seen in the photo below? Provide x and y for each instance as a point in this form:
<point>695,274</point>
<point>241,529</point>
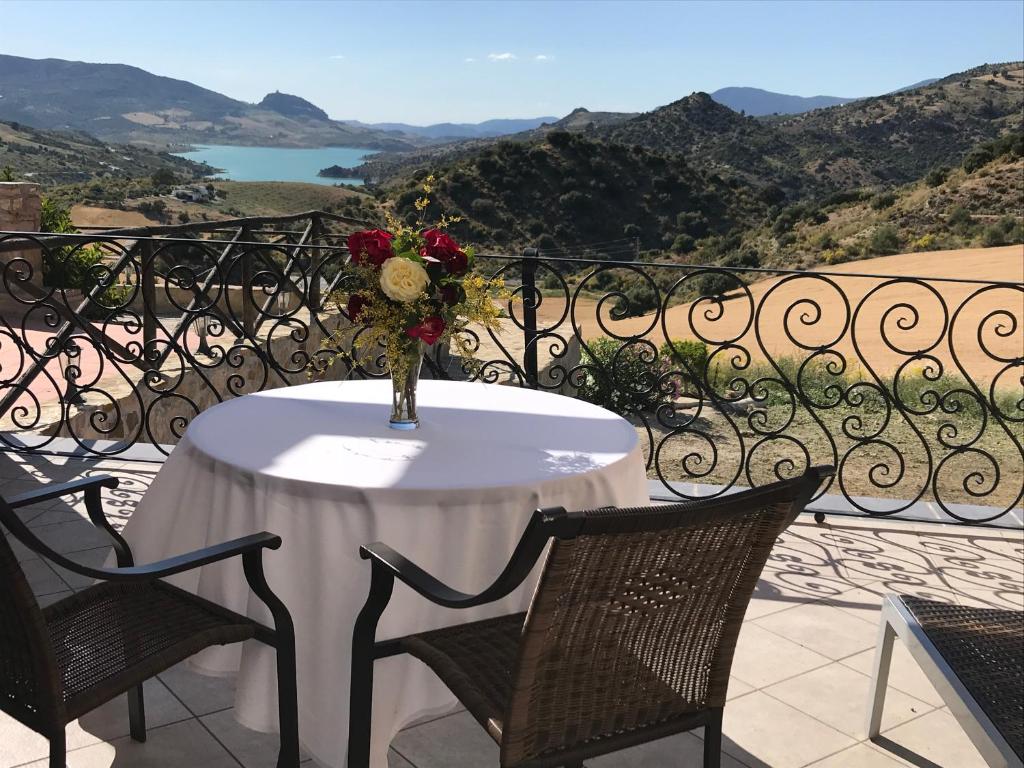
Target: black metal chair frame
<point>250,548</point>
<point>388,565</point>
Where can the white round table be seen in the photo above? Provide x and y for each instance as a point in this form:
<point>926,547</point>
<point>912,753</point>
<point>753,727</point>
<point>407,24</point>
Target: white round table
<point>318,465</point>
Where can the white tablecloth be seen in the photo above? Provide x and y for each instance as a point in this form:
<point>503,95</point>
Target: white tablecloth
<point>318,465</point>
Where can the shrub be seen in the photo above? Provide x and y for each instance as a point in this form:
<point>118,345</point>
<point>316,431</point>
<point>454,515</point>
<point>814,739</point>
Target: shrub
<point>884,241</point>
<point>683,244</point>
<point>993,235</point>
<point>715,284</point>
<point>163,177</point>
<point>960,219</point>
<point>482,206</point>
<point>882,201</point>
<point>690,359</point>
<point>936,176</point>
<point>925,243</point>
<point>620,376</point>
<point>73,268</point>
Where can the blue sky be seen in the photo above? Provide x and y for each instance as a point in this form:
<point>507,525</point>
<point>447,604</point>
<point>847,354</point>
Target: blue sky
<point>423,62</point>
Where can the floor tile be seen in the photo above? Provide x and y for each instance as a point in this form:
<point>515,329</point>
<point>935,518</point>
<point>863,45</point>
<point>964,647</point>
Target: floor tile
<point>937,737</point>
<point>684,749</point>
<point>763,658</point>
<point>761,730</point>
<point>904,673</point>
<point>251,748</point>
<point>19,744</point>
<point>456,741</point>
<point>173,746</point>
<point>42,579</point>
<point>395,760</point>
<point>860,756</point>
<point>838,696</point>
<point>202,694</point>
<point>822,629</point>
<point>72,536</point>
<point>93,558</point>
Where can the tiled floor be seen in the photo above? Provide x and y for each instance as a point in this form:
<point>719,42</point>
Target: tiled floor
<point>797,697</point>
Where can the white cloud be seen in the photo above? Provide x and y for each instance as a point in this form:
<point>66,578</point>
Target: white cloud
<point>470,60</point>
<point>337,56</point>
<point>502,56</point>
<point>543,57</point>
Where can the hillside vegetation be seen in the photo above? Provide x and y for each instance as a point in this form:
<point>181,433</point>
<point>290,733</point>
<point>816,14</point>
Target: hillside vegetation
<point>52,157</point>
<point>571,188</point>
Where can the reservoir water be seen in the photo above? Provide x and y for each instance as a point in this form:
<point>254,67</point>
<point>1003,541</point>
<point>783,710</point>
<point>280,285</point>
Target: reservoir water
<point>277,163</point>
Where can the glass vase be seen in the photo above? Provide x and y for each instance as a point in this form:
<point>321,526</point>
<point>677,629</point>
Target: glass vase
<point>405,375</point>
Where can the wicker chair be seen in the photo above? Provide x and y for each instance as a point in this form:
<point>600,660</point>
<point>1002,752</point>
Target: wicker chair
<point>58,663</point>
<point>629,637</point>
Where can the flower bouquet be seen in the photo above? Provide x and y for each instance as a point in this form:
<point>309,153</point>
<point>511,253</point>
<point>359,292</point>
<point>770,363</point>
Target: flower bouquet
<point>411,288</point>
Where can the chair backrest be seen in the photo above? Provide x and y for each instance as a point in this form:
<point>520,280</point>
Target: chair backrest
<point>29,686</point>
<point>635,619</point>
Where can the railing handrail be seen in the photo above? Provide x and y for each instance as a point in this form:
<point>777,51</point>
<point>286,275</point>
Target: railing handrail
<point>761,270</point>
<point>58,239</point>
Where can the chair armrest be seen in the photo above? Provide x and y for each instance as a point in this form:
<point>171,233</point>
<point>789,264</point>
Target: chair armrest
<point>56,490</point>
<point>141,573</point>
<point>392,565</point>
<point>415,577</point>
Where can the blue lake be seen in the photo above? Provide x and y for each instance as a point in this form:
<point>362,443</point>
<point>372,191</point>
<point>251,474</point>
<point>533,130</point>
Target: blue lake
<point>277,163</point>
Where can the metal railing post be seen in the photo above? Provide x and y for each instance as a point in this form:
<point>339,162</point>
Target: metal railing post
<point>313,294</point>
<point>248,301</point>
<point>530,299</point>
<point>148,287</point>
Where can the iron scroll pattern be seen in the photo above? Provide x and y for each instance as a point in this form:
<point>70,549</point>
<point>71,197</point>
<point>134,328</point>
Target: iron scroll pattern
<point>158,329</point>
<point>912,388</point>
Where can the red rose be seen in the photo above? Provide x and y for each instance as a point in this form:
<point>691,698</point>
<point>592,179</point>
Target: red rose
<point>373,246</point>
<point>457,263</point>
<point>438,243</point>
<point>428,331</point>
<point>452,294</point>
<point>356,302</point>
<point>440,247</point>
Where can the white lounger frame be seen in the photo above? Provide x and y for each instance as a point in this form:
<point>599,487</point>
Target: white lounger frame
<point>898,620</point>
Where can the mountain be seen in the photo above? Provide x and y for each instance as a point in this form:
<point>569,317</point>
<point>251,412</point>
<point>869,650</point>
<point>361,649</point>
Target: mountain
<point>757,102</point>
<point>921,84</point>
<point>116,102</point>
<point>574,188</point>
<point>53,157</point>
<point>486,129</point>
<point>292,106</point>
<point>899,137</point>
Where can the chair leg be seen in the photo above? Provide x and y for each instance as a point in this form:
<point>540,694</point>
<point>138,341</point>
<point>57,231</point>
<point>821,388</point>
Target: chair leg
<point>364,650</point>
<point>287,699</point>
<point>137,713</point>
<point>880,675</point>
<point>713,740</point>
<point>58,750</point>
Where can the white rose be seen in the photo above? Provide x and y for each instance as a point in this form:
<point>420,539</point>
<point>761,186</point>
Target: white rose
<point>402,279</point>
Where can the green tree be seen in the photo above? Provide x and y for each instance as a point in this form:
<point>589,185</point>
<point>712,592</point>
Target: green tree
<point>164,177</point>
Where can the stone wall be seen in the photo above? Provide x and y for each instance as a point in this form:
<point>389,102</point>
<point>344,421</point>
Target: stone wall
<point>21,211</point>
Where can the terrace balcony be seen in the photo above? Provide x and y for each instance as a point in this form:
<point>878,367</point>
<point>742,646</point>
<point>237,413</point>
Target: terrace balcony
<point>909,385</point>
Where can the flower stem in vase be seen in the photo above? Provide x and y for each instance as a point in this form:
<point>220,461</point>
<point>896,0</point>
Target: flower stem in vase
<point>405,375</point>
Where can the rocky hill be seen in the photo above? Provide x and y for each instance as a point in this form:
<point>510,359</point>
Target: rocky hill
<point>126,104</point>
<point>52,157</point>
<point>571,188</point>
<point>292,106</point>
<point>758,102</point>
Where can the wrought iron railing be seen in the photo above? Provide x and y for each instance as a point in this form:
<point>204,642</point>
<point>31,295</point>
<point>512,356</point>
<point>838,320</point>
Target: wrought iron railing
<point>912,387</point>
